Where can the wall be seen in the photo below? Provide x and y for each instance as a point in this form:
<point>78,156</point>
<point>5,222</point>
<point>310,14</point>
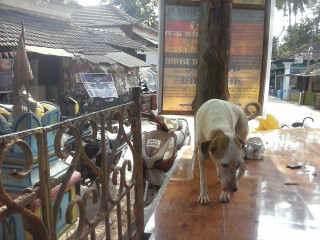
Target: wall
<point>314,84</point>
<point>151,55</point>
<point>49,75</point>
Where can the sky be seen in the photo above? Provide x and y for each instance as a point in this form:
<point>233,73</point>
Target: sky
<point>278,22</point>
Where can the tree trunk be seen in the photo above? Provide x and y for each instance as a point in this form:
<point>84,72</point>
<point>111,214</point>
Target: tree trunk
<point>292,30</point>
<point>316,31</point>
<point>214,51</point>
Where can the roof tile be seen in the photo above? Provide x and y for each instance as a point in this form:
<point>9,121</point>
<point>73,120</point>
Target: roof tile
<point>104,15</point>
<point>49,33</point>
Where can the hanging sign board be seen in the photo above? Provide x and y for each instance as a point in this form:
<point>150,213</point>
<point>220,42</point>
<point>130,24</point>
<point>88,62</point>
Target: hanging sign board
<point>259,2</point>
<point>179,53</point>
<point>298,60</point>
<point>245,55</point>
<point>180,57</point>
<point>99,85</point>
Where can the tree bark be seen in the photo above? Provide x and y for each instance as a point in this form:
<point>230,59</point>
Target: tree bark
<point>214,51</point>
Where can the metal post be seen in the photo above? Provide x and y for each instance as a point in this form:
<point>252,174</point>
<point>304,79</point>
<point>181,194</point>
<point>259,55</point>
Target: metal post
<point>45,184</point>
<point>138,167</point>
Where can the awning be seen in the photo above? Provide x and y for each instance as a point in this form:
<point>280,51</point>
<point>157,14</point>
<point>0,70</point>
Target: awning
<point>98,59</point>
<point>307,74</point>
<point>126,59</point>
<point>311,71</point>
<point>149,37</point>
<point>111,58</point>
<point>150,40</point>
<point>49,51</point>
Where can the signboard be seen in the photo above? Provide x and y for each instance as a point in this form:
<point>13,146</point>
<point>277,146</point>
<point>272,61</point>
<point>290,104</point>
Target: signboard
<point>298,60</point>
<point>247,30</point>
<point>6,75</point>
<point>180,57</point>
<point>258,2</point>
<point>180,54</point>
<point>98,84</point>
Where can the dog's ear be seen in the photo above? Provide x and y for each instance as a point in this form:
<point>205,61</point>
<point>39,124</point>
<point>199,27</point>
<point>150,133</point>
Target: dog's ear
<point>205,149</point>
<point>242,142</point>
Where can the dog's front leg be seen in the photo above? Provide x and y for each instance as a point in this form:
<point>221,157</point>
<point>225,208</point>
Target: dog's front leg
<point>224,196</point>
<point>218,172</point>
<point>241,170</point>
<point>203,198</point>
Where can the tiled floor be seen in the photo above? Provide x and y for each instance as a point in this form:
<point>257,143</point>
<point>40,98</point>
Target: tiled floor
<point>273,202</point>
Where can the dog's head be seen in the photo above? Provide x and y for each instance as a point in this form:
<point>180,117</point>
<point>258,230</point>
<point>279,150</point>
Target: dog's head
<point>226,151</point>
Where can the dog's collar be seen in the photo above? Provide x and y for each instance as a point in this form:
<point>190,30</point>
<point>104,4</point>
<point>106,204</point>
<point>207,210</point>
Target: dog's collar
<point>225,189</point>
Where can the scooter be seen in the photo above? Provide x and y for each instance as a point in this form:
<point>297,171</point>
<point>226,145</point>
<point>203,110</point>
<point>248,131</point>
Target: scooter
<point>159,149</point>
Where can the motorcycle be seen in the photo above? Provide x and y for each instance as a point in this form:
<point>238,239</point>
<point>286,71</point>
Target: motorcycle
<point>92,147</point>
<point>159,150</point>
<point>303,124</point>
<point>148,79</point>
<point>69,107</point>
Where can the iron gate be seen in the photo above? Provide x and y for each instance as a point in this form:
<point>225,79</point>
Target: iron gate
<point>56,207</point>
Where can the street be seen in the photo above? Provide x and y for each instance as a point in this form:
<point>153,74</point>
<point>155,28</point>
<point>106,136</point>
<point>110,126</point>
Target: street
<point>287,112</point>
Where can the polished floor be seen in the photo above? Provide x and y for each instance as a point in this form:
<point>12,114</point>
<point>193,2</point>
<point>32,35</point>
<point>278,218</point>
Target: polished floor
<point>273,202</point>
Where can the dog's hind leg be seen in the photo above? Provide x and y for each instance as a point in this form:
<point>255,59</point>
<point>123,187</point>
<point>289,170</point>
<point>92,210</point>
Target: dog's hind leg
<point>204,197</point>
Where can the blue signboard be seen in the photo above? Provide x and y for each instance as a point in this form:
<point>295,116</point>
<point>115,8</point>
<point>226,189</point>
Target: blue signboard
<point>98,84</point>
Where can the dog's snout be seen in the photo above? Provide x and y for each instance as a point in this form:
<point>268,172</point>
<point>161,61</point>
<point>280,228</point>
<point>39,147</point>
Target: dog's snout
<point>234,189</point>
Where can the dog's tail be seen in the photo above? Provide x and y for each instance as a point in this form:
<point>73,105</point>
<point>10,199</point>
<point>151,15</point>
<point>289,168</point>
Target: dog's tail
<point>252,113</point>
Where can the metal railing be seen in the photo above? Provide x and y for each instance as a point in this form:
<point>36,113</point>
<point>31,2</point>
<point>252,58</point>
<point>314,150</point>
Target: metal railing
<point>111,209</point>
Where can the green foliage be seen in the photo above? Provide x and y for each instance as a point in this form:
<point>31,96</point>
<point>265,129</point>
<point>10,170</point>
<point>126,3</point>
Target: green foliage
<point>303,32</point>
<point>145,11</point>
<point>279,50</point>
<point>298,34</point>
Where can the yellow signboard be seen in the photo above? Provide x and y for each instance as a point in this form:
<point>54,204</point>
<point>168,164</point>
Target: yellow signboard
<point>249,1</point>
<point>181,55</point>
<point>247,30</point>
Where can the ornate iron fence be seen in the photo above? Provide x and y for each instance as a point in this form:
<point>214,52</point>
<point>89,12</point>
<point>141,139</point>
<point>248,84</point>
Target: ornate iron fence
<point>56,205</point>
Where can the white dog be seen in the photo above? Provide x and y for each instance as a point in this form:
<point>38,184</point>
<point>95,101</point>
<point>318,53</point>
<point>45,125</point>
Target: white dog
<point>221,131</point>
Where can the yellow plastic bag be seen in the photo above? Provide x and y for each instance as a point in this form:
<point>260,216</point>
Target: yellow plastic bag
<point>268,124</point>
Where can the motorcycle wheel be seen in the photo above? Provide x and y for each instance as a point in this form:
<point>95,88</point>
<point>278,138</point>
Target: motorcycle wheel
<point>151,194</point>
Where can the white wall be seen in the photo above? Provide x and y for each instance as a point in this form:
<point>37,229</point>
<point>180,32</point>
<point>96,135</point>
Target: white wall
<point>152,56</point>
